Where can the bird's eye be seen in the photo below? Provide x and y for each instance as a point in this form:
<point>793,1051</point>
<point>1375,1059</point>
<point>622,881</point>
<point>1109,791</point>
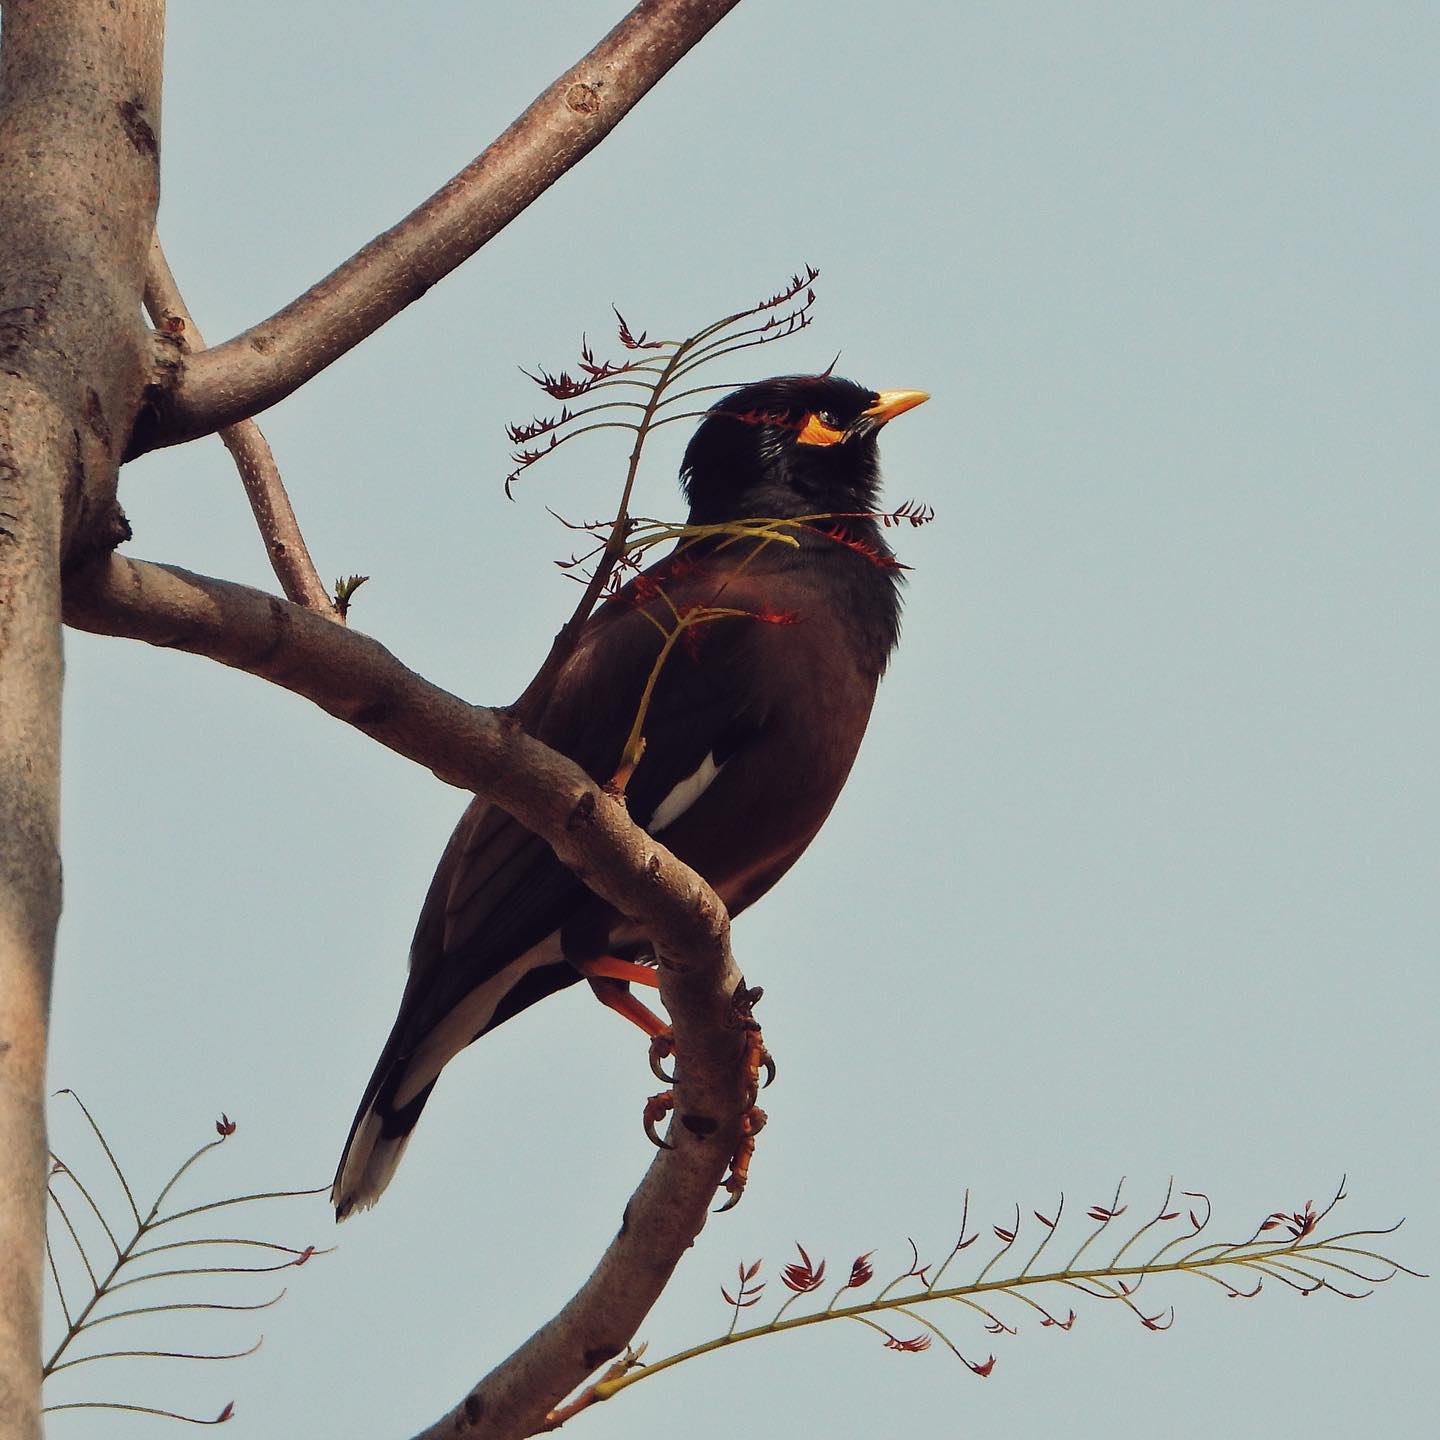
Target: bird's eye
<point>821,427</point>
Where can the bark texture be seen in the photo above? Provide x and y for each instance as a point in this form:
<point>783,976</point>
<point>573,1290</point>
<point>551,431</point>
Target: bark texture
<point>79,181</point>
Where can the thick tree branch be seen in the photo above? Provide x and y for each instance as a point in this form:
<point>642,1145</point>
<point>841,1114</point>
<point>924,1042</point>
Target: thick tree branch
<point>79,177</point>
<point>255,370</point>
<point>248,447</point>
<point>357,680</point>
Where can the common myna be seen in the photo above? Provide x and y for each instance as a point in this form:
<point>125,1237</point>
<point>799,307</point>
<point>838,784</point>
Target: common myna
<point>751,728</point>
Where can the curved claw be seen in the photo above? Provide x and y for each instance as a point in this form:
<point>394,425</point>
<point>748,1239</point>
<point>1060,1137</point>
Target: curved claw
<point>662,1048</point>
<point>751,1125</point>
<point>657,1107</point>
<point>736,1191</point>
<point>767,1064</point>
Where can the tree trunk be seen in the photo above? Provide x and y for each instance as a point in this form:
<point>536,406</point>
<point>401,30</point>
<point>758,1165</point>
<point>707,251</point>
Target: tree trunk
<point>79,181</point>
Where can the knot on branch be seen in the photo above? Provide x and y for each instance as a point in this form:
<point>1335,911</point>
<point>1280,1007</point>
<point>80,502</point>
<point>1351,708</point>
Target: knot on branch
<point>583,813</point>
<point>583,99</point>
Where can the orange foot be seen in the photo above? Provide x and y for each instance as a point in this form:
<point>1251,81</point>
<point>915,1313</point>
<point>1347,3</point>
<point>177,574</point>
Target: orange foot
<point>758,1063</point>
<point>757,1060</point>
<point>752,1122</point>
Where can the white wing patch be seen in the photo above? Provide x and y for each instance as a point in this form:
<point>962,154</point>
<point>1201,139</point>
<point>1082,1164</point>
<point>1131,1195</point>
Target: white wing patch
<point>685,794</point>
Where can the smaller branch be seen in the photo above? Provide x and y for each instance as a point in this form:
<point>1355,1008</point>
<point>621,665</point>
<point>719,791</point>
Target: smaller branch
<point>220,1419</point>
<point>1292,1260</point>
<point>247,374</point>
<point>233,1307</point>
<point>248,447</point>
<point>154,1355</point>
<point>74,1236</point>
<point>109,1153</point>
<point>565,642</point>
<point>674,359</point>
<point>82,1322</point>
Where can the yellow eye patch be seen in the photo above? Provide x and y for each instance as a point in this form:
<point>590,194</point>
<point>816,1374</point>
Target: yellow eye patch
<point>816,431</point>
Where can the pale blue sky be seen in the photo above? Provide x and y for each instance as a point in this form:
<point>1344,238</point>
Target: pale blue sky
<point>1136,874</point>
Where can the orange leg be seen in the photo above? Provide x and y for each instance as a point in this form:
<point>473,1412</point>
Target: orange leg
<point>607,967</point>
<point>610,978</point>
<point>613,993</point>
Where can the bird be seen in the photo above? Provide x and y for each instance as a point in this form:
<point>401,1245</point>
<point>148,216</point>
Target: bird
<point>788,598</point>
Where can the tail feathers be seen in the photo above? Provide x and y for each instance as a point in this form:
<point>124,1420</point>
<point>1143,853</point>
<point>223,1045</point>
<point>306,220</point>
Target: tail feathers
<point>377,1141</point>
<point>424,1039</point>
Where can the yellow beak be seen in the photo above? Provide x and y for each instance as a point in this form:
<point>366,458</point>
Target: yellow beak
<point>891,403</point>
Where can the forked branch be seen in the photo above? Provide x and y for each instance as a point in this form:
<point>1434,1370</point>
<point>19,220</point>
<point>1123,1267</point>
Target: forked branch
<point>248,447</point>
<point>254,370</point>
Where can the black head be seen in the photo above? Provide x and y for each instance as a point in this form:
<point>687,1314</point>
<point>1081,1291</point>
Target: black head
<point>798,444</point>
